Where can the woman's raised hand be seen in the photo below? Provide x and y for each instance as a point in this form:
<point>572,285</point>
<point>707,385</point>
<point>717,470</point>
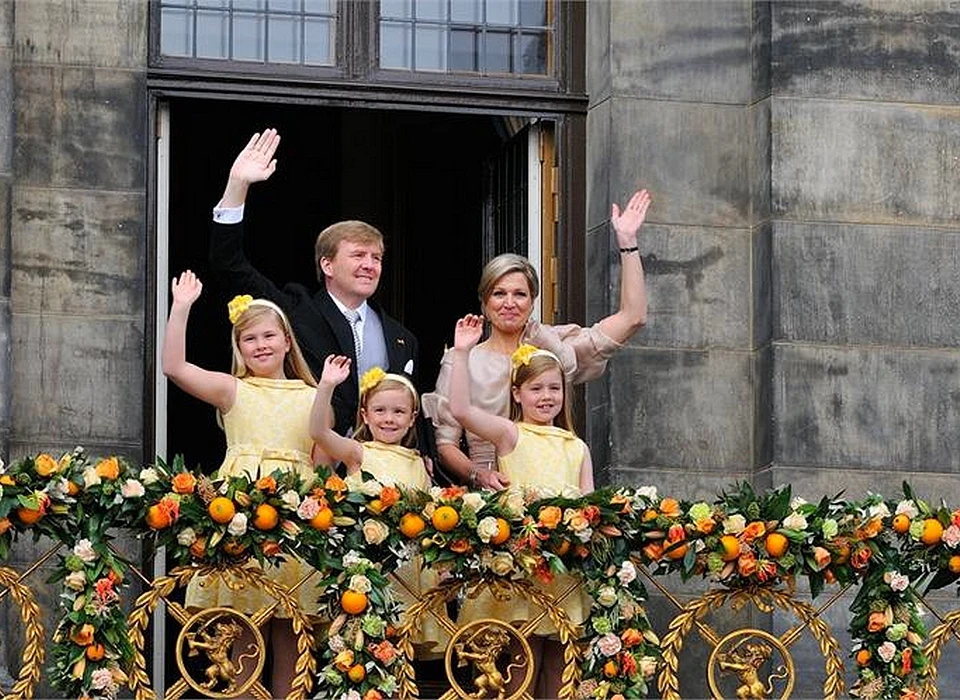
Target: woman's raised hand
<point>468,332</point>
<point>186,288</point>
<point>627,223</point>
<point>336,369</point>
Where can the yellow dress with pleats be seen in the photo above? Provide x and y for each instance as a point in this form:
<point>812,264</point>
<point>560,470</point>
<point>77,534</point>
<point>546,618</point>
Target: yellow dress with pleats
<point>394,465</point>
<point>548,458</point>
<point>267,429</point>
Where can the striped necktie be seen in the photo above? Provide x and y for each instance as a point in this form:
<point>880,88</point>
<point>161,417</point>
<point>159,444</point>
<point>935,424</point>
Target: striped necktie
<point>353,316</point>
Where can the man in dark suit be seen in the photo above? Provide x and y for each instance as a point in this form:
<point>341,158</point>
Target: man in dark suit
<point>339,319</point>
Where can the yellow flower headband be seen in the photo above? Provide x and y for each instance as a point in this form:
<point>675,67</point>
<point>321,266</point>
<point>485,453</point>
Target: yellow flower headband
<point>240,303</point>
<point>522,356</point>
<point>375,375</point>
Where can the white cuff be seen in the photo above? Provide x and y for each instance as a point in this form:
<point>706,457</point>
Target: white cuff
<point>228,215</point>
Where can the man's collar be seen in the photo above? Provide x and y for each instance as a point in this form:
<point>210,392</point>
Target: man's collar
<point>362,309</point>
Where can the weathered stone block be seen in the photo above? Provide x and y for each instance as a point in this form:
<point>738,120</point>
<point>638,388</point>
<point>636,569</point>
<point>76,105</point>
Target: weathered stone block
<point>682,483</point>
<point>6,111</point>
<point>858,284</point>
<point>6,23</point>
<point>698,404</point>
<point>600,263</point>
<point>598,51</point>
<point>698,287</point>
<point>77,379</point>
<point>866,162</point>
<point>78,251</point>
<point>599,147</point>
<point>80,127</point>
<point>5,247</point>
<point>695,158</point>
<point>760,154</point>
<point>859,49</point>
<point>699,52</point>
<point>762,284</point>
<point>812,483</point>
<point>110,33</point>
<point>866,408</point>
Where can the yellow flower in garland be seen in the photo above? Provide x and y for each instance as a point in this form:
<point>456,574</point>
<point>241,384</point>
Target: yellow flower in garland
<point>237,305</point>
<point>522,355</point>
<point>370,379</point>
<point>45,465</point>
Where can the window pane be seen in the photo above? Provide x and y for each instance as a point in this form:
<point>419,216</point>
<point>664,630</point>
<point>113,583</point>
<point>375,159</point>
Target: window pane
<point>431,48</point>
<point>396,9</point>
<point>318,42</point>
<point>533,54</point>
<point>211,4</point>
<point>469,11</point>
<point>212,34</point>
<point>284,5</point>
<point>248,37</point>
<point>395,41</point>
<point>463,50</point>
<point>318,6</point>
<point>496,57</point>
<point>431,9</point>
<point>533,13</point>
<point>284,33</point>
<point>176,32</point>
<point>501,12</point>
<point>249,4</point>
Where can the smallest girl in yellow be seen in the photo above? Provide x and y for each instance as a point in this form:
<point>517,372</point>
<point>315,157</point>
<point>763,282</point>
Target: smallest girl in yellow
<point>383,445</point>
<point>536,448</point>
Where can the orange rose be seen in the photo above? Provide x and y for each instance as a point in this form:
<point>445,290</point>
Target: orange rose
<point>337,485</point>
<point>270,548</point>
<point>7,480</point>
<point>592,514</point>
<point>620,500</point>
<point>653,551</point>
<point>869,529</point>
<point>753,531</point>
<point>45,465</point>
<point>372,694</point>
<point>344,660</point>
<point>821,557</point>
<point>199,547</point>
<point>747,564</point>
<point>706,525</point>
<point>83,636</point>
<point>670,508</point>
<point>183,482</point>
<point>5,525</point>
<point>549,517</point>
<point>631,637</point>
<point>389,496</point>
<point>906,661</point>
<point>267,484</point>
<point>108,468</point>
<point>460,546</point>
<point>676,533</point>
<point>860,557</point>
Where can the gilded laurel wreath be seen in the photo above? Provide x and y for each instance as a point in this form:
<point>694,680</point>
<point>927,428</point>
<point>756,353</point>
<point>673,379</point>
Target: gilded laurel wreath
<point>33,653</point>
<point>938,639</point>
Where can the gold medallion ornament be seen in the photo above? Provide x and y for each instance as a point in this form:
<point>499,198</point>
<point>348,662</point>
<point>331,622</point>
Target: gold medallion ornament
<point>748,655</point>
<point>233,648</point>
<point>33,650</point>
<point>495,651</point>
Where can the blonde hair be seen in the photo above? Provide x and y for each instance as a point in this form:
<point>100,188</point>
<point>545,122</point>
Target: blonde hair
<point>387,381</point>
<point>506,264</point>
<point>329,240</point>
<point>294,366</point>
<point>538,363</point>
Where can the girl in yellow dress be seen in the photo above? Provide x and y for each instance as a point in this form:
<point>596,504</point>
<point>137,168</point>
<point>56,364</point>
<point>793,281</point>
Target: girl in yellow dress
<point>264,405</point>
<point>384,447</point>
<point>536,447</point>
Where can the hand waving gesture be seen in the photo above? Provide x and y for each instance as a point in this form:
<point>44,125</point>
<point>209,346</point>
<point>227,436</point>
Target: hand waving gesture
<point>186,289</point>
<point>336,369</point>
<point>468,332</point>
<point>628,222</point>
<point>256,162</point>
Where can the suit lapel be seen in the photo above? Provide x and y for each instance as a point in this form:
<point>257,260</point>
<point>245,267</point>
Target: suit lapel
<point>397,351</point>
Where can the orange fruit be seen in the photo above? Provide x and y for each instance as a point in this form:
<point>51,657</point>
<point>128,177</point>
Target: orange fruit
<point>610,669</point>
<point>221,510</point>
<point>28,516</point>
<point>375,506</point>
<point>901,523</point>
<point>649,514</point>
<point>265,517</point>
<point>357,673</point>
<point>445,518</point>
<point>932,531</point>
<point>954,564</point>
<point>353,602</point>
<point>731,547</point>
<point>323,520</point>
<point>776,544</point>
<point>863,657</point>
<point>675,552</point>
<point>503,532</point>
<point>411,525</point>
<point>72,488</point>
<point>95,652</point>
<point>158,518</point>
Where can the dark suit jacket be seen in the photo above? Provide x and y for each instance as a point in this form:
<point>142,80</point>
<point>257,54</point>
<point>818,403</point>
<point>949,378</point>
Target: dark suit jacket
<point>320,327</point>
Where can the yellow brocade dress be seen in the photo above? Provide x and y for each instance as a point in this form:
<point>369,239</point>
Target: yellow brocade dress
<point>267,429</point>
<point>394,465</point>
<point>548,458</point>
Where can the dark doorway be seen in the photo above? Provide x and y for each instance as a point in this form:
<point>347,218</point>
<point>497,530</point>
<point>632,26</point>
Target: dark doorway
<point>417,176</point>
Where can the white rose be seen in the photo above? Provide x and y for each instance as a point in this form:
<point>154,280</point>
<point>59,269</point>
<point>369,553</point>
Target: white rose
<point>132,489</point>
<point>607,596</point>
<point>514,502</point>
<point>371,488</point>
<point>627,573</point>
<point>291,499</point>
<point>795,521</point>
<point>734,525</point>
<point>187,536</point>
<point>149,476</point>
<point>647,666</point>
<point>487,529</point>
<point>75,580</point>
<point>797,501</point>
<point>878,510</point>
<point>649,492</point>
<point>570,491</point>
<point>90,477</point>
<point>359,583</point>
<point>238,525</point>
<point>474,501</point>
<point>375,532</point>
<point>501,563</point>
<point>435,492</point>
<point>908,508</point>
<point>84,550</point>
<point>351,558</point>
<point>57,490</point>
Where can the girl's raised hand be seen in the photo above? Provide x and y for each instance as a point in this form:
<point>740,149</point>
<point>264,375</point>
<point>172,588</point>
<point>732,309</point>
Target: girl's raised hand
<point>186,288</point>
<point>336,369</point>
<point>468,332</point>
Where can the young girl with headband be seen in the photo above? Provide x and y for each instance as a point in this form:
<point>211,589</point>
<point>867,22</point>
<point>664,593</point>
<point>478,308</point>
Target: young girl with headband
<point>536,448</point>
<point>264,407</point>
<point>383,445</point>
